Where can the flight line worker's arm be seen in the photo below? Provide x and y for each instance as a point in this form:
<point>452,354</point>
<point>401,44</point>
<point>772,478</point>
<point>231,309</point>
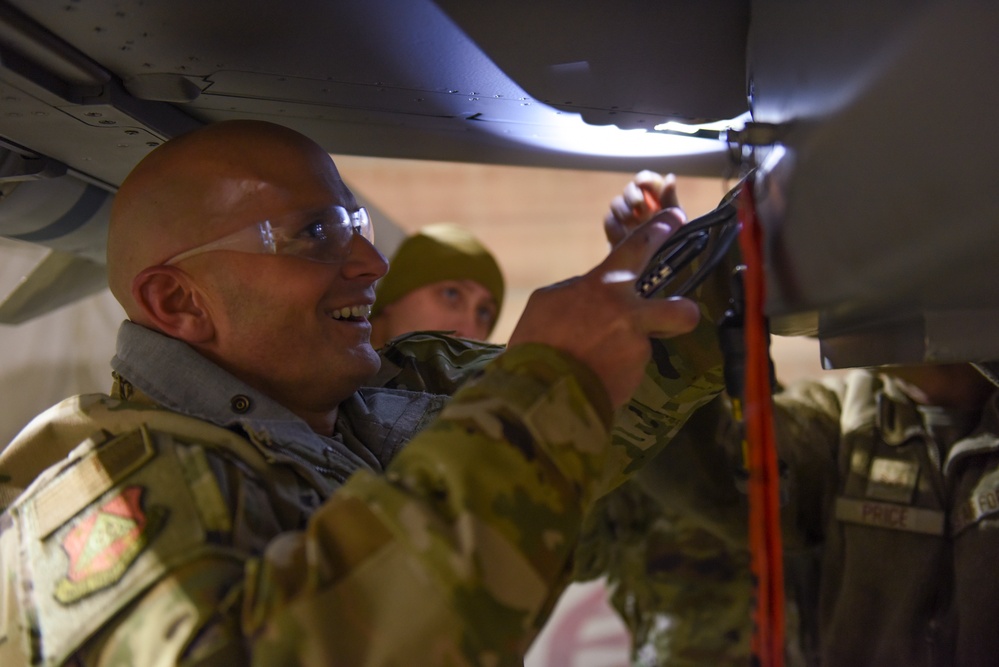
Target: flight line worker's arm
<point>686,371</point>
<point>633,541</point>
<point>452,556</point>
<point>806,417</point>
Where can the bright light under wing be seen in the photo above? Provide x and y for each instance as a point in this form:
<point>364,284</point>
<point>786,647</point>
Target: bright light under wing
<point>568,133</point>
<point>538,124</point>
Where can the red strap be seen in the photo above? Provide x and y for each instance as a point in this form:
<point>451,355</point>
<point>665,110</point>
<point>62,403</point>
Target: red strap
<point>764,485</point>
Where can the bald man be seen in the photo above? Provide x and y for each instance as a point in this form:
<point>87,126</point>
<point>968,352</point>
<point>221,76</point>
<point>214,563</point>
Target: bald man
<point>261,487</point>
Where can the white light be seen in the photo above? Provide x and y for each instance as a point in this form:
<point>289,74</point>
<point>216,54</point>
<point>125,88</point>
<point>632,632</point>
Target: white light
<point>551,129</point>
<point>672,126</point>
<point>717,126</point>
<point>583,139</point>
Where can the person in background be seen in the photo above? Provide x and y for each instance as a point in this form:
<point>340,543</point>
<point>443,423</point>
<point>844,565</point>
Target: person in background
<point>440,279</point>
<point>262,487</point>
<point>889,508</point>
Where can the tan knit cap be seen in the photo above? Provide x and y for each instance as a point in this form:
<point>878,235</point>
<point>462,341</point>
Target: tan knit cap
<point>438,252</point>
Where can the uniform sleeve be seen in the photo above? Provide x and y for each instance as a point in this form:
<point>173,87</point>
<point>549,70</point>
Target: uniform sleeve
<point>683,592</point>
<point>459,550</point>
<point>701,474</point>
<point>684,374</point>
<point>453,554</point>
<point>432,362</point>
<point>673,541</point>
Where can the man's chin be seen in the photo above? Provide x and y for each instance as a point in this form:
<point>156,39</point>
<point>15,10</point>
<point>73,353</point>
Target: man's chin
<point>365,364</point>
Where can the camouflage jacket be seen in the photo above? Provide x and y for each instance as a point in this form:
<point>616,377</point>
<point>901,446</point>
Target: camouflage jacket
<point>889,534</point>
<point>195,522</point>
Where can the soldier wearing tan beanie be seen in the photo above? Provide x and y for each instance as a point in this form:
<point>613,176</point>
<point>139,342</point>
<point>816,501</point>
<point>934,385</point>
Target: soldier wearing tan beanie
<point>440,279</point>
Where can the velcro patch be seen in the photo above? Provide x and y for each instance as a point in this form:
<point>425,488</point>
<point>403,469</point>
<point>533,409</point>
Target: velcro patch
<point>892,480</point>
<point>105,541</point>
<point>983,501</point>
<point>111,550</point>
<point>85,481</point>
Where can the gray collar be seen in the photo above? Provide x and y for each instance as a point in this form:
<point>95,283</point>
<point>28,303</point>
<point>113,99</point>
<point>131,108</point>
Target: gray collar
<point>178,378</point>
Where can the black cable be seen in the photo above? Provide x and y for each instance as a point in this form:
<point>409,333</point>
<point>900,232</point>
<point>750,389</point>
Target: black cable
<point>711,235</point>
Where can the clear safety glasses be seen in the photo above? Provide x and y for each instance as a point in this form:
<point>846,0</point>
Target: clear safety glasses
<point>321,236</point>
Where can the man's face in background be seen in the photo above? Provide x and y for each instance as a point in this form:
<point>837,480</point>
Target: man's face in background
<point>462,306</point>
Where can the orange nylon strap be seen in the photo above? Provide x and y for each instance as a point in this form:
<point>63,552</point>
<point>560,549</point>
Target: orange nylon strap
<point>764,484</point>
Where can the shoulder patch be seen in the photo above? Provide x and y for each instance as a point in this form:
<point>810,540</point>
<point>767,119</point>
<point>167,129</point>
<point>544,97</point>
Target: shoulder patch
<point>104,541</point>
<point>128,517</point>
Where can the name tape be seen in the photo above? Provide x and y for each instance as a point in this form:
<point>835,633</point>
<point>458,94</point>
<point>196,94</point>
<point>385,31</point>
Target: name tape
<point>890,516</point>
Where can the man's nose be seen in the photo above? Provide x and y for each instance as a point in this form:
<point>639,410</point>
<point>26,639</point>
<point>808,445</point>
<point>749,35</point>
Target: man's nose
<point>469,326</point>
<point>364,259</point>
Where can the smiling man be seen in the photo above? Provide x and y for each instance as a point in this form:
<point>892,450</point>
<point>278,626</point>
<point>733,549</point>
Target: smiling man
<point>262,487</point>
<point>245,311</point>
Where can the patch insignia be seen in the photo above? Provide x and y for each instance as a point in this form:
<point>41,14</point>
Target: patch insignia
<point>892,480</point>
<point>105,542</point>
<point>983,501</point>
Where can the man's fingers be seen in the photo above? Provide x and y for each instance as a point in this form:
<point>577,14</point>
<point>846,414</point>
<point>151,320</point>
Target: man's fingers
<point>614,231</point>
<point>601,320</point>
<point>650,180</point>
<point>640,246</point>
<point>667,194</point>
<point>620,208</point>
<point>664,318</point>
<point>662,187</point>
<point>643,197</point>
<point>634,196</point>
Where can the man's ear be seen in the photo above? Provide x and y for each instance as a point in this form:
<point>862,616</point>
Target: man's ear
<point>173,304</point>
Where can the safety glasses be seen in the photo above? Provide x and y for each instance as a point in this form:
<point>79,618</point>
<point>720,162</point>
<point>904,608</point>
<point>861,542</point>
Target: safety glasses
<point>323,236</point>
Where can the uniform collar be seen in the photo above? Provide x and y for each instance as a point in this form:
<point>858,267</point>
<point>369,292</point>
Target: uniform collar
<point>897,418</point>
<point>174,375</point>
<point>372,424</point>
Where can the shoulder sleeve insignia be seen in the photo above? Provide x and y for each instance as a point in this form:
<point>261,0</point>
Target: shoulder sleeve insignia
<point>104,542</point>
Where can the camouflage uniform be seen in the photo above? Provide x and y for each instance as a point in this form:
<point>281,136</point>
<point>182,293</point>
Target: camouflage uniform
<point>684,593</point>
<point>680,583</point>
<point>188,519</point>
<point>890,523</point>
